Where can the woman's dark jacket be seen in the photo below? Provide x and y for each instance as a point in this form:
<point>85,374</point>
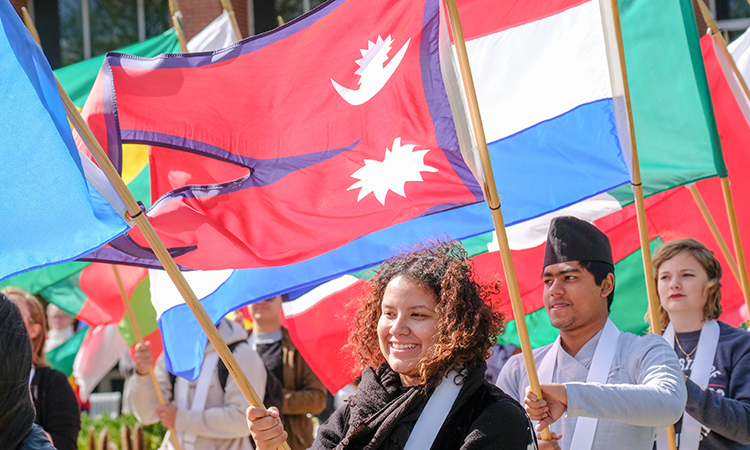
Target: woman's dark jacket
<point>56,407</point>
<point>383,412</point>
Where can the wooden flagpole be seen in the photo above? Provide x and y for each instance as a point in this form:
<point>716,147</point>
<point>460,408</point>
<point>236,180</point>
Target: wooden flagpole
<point>227,5</point>
<point>178,30</point>
<point>139,339</point>
<point>715,231</point>
<point>30,26</point>
<point>725,187</point>
<point>640,208</point>
<point>493,201</point>
<point>135,214</point>
<point>175,14</point>
<point>653,299</point>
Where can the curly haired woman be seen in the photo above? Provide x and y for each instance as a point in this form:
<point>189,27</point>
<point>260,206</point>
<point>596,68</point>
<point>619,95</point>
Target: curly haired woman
<point>421,334</point>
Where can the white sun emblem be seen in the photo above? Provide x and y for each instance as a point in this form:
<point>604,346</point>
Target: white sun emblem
<point>399,165</point>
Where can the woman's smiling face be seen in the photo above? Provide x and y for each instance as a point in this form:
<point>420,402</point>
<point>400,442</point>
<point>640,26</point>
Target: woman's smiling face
<point>407,327</point>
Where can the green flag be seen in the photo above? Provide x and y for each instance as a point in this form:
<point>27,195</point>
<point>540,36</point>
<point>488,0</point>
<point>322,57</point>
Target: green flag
<point>675,128</point>
<point>78,78</point>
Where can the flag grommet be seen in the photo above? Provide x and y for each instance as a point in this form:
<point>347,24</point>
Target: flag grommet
<point>130,218</point>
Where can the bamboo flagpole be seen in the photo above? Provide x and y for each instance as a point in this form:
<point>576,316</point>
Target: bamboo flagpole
<point>30,26</point>
<point>178,29</point>
<point>715,231</point>
<point>648,267</point>
<point>725,186</point>
<point>139,339</point>
<point>135,214</point>
<point>227,5</point>
<point>176,15</point>
<point>493,201</point>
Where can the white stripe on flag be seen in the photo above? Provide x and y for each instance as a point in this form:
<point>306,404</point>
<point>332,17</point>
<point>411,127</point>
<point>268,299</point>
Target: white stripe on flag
<point>540,70</point>
<point>533,232</point>
<point>164,294</point>
<point>310,299</point>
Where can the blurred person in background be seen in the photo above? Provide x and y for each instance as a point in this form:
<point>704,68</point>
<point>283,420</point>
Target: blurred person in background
<point>17,428</point>
<point>55,402</point>
<point>60,327</point>
<point>304,393</point>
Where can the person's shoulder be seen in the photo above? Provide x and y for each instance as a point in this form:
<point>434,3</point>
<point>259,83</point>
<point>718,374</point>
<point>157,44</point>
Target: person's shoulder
<point>736,339</point>
<point>643,351</point>
<point>50,376</point>
<point>499,408</point>
<point>516,362</point>
<point>500,401</point>
<point>642,343</point>
<point>286,340</point>
<point>36,440</point>
<point>728,331</point>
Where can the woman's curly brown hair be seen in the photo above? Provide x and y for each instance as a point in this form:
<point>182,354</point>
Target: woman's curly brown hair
<point>467,324</point>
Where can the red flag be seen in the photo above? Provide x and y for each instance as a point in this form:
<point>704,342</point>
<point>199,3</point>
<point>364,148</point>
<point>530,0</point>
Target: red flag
<point>333,139</point>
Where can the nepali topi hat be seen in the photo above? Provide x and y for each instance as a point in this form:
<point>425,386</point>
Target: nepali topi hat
<point>572,239</point>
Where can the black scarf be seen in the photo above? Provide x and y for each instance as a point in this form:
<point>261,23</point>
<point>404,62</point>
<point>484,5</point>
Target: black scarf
<point>383,412</point>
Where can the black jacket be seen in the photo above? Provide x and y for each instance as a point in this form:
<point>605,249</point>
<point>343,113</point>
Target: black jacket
<point>382,414</point>
<point>56,407</point>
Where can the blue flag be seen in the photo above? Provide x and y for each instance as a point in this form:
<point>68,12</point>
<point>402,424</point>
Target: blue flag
<point>50,212</point>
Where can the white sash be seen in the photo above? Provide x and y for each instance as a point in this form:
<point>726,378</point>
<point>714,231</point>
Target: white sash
<point>182,387</point>
<point>434,414</point>
<point>690,435</point>
<point>583,437</point>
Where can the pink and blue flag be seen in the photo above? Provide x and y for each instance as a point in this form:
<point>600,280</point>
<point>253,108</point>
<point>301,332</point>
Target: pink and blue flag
<point>51,212</point>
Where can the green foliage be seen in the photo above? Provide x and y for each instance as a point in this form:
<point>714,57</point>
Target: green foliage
<point>154,434</point>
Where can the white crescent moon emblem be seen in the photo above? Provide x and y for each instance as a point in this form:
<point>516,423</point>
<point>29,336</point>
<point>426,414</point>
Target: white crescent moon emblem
<point>371,82</point>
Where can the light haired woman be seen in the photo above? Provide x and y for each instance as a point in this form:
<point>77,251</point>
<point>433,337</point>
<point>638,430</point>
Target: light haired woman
<point>714,356</point>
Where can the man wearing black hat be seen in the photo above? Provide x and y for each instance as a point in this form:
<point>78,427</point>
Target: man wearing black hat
<point>602,388</point>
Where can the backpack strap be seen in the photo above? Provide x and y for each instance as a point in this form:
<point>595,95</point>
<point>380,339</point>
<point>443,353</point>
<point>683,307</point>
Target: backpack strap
<point>172,381</point>
<point>222,368</point>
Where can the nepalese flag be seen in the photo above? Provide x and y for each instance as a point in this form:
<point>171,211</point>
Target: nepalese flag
<point>57,204</point>
<point>294,143</point>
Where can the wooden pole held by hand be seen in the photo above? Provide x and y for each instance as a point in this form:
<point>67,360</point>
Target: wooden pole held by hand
<point>493,200</point>
<point>139,339</point>
<point>136,214</point>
